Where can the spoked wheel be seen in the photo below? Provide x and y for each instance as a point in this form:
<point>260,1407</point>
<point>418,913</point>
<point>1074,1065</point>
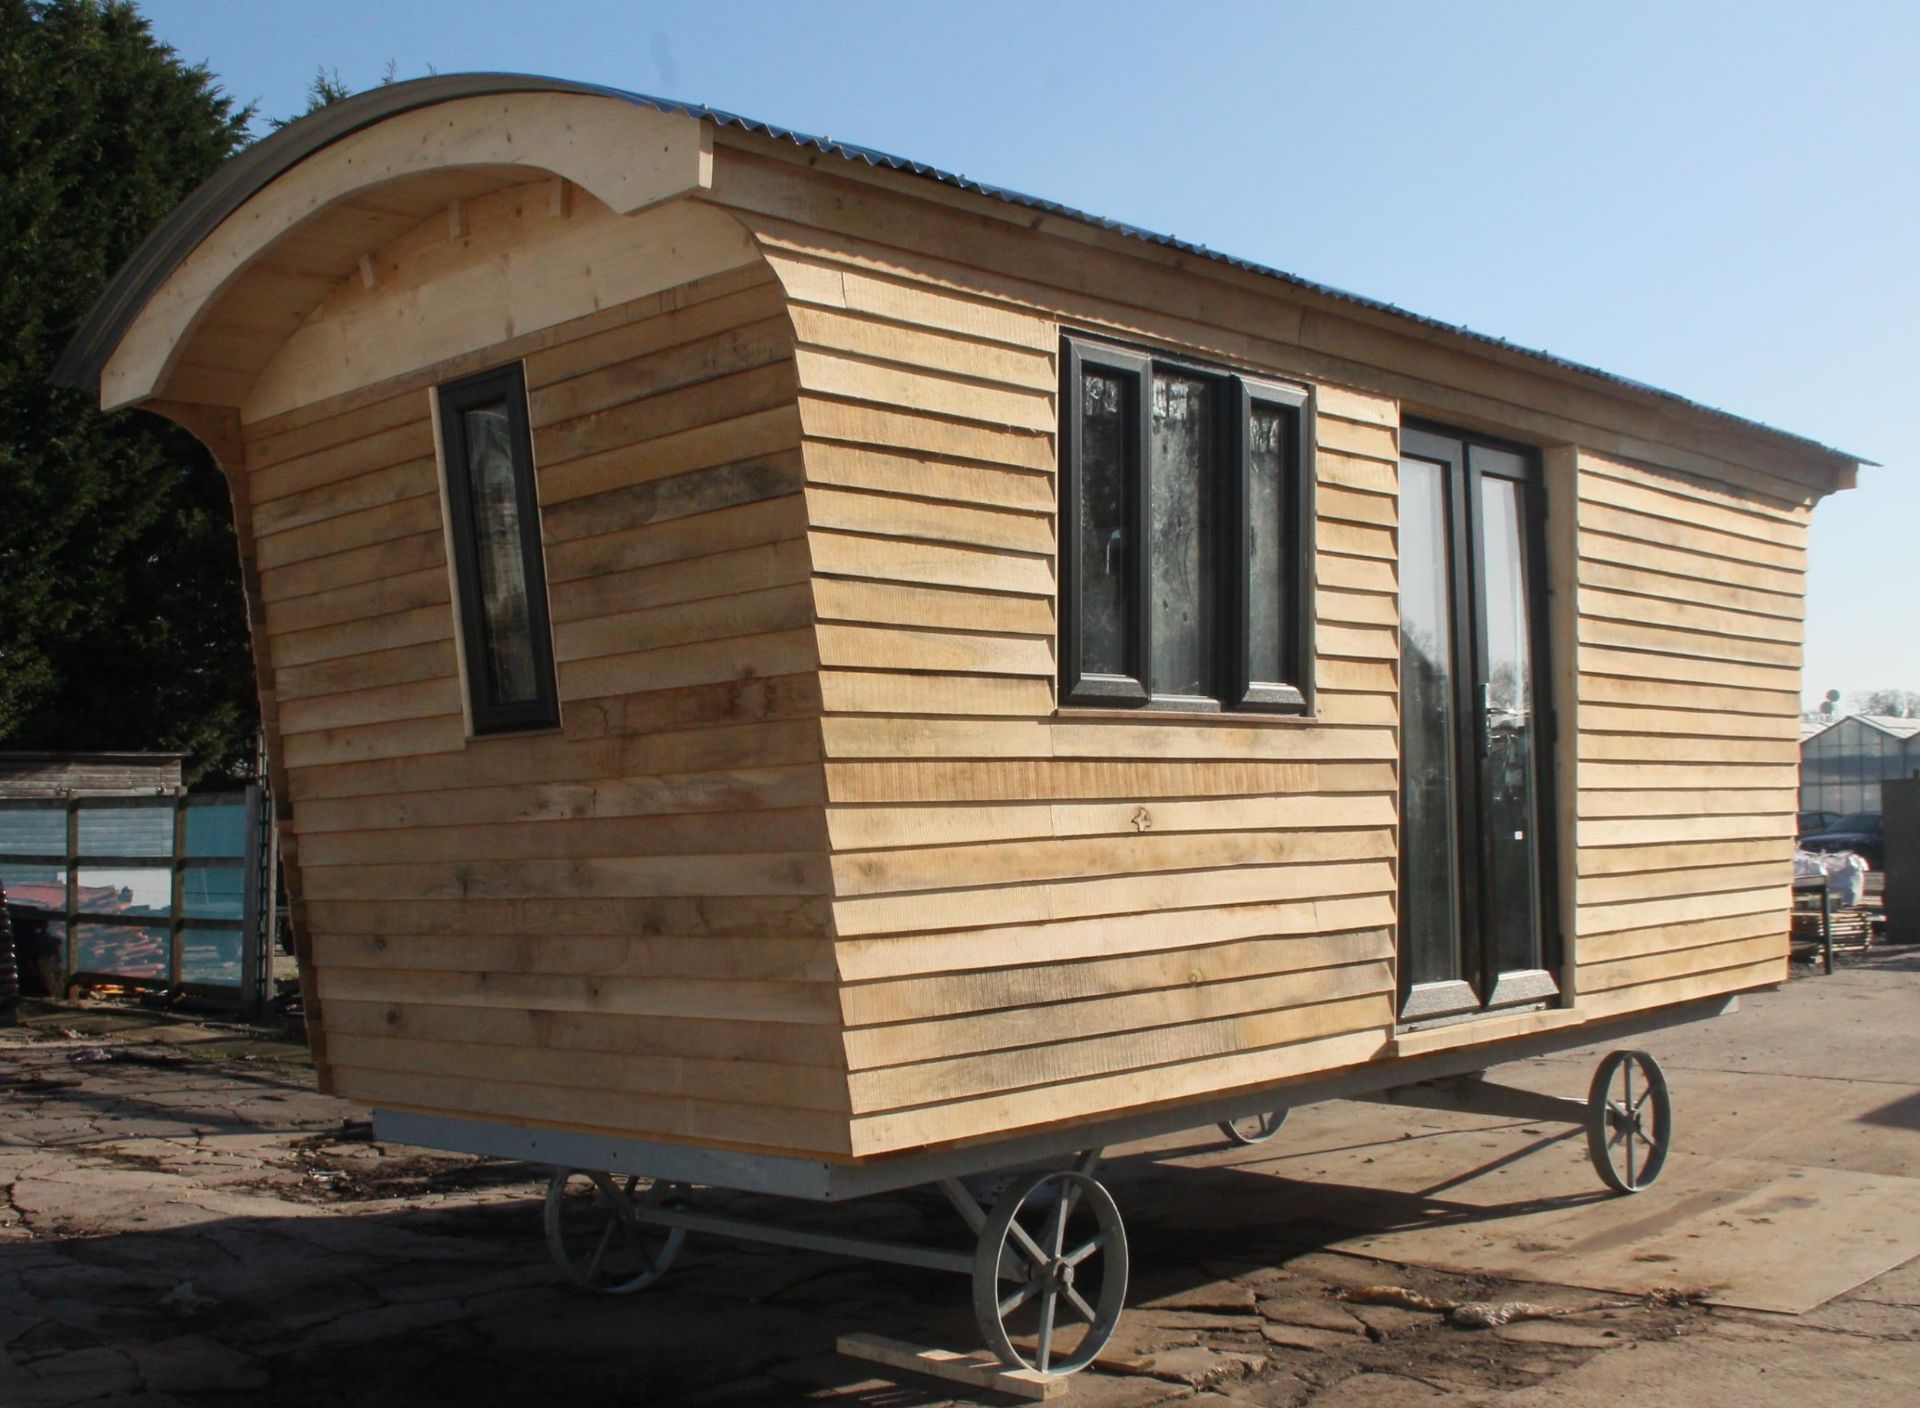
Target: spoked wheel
<point>1629,1120</point>
<point>595,1238</point>
<point>1255,1129</point>
<point>1050,1272</point>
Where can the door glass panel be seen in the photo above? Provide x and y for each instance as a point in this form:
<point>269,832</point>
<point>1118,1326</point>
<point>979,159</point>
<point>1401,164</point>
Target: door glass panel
<point>1508,743</point>
<point>1266,541</point>
<point>1106,623</point>
<point>1430,860</point>
<point>1181,500</point>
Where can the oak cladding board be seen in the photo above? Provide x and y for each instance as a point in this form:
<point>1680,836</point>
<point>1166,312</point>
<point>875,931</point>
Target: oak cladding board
<point>731,916</point>
<point>662,808</point>
<point>903,999</point>
<point>1109,895</point>
<point>720,1000</point>
<point>798,1043</point>
<point>1167,1023</point>
<point>778,1083</point>
<point>1134,852</point>
<point>770,958</point>
<point>974,780</point>
<point>684,833</point>
<point>975,1072</point>
<point>726,790</point>
<point>1251,1065</point>
<point>1056,942</point>
<point>1689,606</point>
<point>575,1068</point>
<point>577,1106</point>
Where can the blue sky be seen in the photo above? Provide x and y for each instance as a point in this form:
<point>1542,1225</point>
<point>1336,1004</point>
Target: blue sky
<point>1720,199</point>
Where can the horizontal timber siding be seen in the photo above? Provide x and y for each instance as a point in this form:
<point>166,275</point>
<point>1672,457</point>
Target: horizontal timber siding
<point>1685,655</point>
<point>623,924</point>
<point>1048,916</point>
<point>814,862</point>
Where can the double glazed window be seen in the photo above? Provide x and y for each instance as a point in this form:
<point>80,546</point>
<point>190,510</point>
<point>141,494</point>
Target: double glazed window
<point>1186,536</point>
<point>491,508</point>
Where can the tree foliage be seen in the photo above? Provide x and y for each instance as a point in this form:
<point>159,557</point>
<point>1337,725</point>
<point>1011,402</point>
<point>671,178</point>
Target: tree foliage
<point>121,618</point>
<point>325,90</point>
<point>1889,703</point>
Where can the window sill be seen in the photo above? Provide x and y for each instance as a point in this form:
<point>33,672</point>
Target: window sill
<point>508,734</point>
<point>1093,713</point>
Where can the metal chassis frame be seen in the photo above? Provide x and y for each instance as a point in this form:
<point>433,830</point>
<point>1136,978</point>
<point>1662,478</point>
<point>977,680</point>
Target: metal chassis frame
<point>819,1180</point>
<point>867,1248</point>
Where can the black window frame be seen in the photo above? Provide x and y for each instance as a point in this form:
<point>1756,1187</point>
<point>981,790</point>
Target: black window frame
<point>1234,688</point>
<point>507,386</point>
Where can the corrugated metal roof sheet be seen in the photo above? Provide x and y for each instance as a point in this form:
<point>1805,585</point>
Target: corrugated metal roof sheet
<point>1891,723</point>
<point>249,171</point>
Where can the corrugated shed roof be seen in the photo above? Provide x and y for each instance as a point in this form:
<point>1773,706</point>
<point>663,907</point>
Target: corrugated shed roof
<point>1891,723</point>
<point>85,357</point>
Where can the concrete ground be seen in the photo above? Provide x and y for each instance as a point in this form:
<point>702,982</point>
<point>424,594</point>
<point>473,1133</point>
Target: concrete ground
<point>183,1221</point>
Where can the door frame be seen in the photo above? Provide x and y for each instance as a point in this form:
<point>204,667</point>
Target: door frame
<point>1521,989</point>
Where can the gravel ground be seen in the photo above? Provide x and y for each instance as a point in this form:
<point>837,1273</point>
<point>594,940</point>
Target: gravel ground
<point>184,1220</point>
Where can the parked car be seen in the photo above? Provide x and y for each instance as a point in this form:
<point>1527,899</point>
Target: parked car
<point>1813,823</point>
<point>1859,833</point>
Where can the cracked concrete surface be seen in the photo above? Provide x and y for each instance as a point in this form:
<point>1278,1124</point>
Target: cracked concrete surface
<point>184,1221</point>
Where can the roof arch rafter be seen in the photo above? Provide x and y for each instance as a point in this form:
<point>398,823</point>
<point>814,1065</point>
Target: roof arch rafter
<point>629,157</point>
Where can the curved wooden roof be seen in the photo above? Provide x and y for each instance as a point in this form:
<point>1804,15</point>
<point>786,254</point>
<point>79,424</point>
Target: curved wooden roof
<point>248,173</point>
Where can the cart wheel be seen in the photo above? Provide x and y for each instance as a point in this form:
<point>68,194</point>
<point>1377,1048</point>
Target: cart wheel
<point>1051,1270</point>
<point>596,1240</point>
<point>1255,1129</point>
<point>1629,1120</point>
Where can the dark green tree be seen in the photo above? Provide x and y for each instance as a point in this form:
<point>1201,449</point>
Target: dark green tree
<point>121,619</point>
<point>325,90</point>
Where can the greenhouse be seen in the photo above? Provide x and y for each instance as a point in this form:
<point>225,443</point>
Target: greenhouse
<point>1843,765</point>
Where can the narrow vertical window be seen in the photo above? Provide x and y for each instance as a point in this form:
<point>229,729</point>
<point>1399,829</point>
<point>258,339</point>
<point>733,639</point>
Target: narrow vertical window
<point>1104,599</point>
<point>1106,555</point>
<point>495,520</point>
<point>1276,552</point>
<point>1182,493</point>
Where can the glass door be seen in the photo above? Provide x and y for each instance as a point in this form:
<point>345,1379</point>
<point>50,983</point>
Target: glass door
<point>1475,856</point>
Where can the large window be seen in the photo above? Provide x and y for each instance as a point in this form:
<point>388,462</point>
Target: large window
<point>504,632</point>
<point>1186,535</point>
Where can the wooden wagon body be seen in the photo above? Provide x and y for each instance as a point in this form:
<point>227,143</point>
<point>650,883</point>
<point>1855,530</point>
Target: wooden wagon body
<point>862,806</point>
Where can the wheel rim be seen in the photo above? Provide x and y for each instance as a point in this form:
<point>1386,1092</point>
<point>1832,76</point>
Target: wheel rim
<point>1051,1269</point>
<point>1255,1129</point>
<point>595,1238</point>
<point>1629,1120</point>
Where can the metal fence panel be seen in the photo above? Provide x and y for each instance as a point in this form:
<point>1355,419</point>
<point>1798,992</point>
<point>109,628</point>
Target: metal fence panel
<point>150,891</point>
